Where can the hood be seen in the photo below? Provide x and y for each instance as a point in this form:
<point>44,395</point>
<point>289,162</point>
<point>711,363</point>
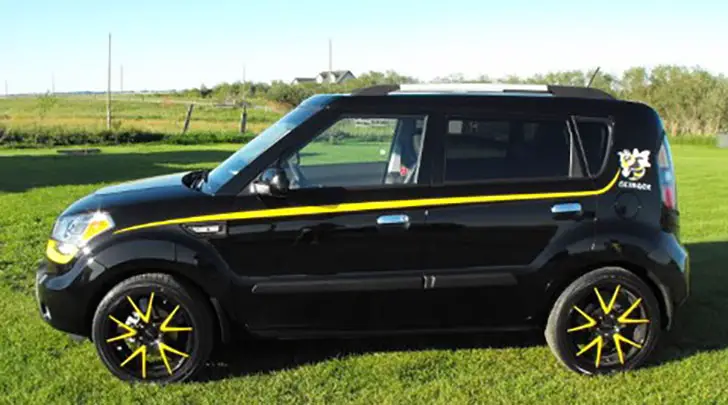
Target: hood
<point>165,182</point>
<point>150,193</point>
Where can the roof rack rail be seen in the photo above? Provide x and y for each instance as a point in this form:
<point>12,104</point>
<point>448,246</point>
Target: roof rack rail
<point>465,88</point>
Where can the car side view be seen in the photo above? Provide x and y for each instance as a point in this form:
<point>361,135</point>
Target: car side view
<point>394,209</point>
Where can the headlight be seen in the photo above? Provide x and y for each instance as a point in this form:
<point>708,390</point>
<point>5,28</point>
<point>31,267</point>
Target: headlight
<point>73,232</point>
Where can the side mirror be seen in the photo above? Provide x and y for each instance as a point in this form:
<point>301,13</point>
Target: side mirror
<point>295,159</point>
<point>273,181</point>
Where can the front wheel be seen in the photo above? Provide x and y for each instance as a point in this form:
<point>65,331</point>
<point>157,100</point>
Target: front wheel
<point>152,328</point>
<point>606,321</point>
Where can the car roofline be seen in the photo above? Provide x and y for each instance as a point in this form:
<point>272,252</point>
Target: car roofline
<point>484,89</point>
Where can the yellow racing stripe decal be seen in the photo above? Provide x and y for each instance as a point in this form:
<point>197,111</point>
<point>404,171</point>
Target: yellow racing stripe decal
<point>373,206</point>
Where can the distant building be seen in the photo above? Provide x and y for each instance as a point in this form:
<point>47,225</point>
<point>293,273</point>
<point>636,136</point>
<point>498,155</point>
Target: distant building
<point>300,80</point>
<point>334,77</point>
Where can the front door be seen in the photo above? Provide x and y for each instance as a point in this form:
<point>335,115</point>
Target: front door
<point>347,257</point>
<point>518,197</point>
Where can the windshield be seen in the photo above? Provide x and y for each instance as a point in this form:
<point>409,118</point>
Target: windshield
<point>248,153</point>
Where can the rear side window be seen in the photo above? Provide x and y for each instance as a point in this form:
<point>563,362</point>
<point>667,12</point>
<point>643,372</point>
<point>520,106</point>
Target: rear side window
<point>594,134</point>
<point>483,150</point>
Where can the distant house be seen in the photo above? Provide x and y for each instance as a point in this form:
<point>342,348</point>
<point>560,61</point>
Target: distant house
<point>335,77</point>
<point>300,80</point>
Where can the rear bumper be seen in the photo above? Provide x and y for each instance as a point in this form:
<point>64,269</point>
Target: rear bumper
<point>672,276</point>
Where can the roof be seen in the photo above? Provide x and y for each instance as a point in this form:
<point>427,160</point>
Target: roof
<point>486,89</point>
<point>337,74</point>
<point>304,79</point>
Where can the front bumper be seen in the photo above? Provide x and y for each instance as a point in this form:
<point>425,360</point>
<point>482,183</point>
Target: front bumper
<point>63,294</point>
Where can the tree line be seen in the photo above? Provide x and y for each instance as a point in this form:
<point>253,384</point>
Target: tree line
<point>691,100</point>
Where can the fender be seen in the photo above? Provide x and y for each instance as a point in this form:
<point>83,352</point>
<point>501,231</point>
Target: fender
<point>638,252</point>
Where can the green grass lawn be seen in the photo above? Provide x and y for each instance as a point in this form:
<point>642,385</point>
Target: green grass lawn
<point>40,365</point>
<point>86,114</point>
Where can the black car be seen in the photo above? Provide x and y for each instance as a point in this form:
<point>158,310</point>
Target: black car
<point>394,209</point>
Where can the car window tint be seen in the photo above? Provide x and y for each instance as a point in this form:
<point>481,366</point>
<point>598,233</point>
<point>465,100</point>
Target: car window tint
<point>595,139</point>
<point>360,151</point>
<point>482,150</point>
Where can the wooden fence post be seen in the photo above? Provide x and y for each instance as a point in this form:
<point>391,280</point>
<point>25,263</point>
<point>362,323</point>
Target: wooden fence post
<point>244,118</point>
<point>187,118</point>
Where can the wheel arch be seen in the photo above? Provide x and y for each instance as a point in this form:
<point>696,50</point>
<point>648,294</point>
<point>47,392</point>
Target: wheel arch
<point>122,271</point>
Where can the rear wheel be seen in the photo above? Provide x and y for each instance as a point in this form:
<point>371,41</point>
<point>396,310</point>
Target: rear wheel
<point>606,321</point>
<point>153,328</point>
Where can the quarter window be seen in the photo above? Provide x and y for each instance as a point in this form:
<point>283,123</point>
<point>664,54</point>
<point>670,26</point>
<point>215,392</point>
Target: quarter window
<point>594,135</point>
<point>360,151</point>
<point>483,150</point>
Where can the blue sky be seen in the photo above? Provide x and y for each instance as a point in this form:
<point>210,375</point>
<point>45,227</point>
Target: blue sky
<point>179,44</point>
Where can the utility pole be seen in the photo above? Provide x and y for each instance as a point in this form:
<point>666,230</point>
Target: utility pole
<point>244,115</point>
<point>108,90</point>
<point>6,88</point>
<point>121,74</point>
<point>331,57</point>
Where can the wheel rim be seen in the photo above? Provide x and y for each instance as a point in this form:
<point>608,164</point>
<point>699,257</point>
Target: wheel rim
<point>608,326</point>
<point>149,336</point>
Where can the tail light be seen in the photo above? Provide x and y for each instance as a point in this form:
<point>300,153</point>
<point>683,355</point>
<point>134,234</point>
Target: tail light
<point>668,189</point>
<point>670,219</point>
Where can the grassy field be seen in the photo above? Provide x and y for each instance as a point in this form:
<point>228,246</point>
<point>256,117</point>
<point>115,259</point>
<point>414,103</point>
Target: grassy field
<point>131,113</point>
<point>40,365</point>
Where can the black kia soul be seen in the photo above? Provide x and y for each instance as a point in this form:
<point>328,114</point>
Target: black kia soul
<point>412,208</point>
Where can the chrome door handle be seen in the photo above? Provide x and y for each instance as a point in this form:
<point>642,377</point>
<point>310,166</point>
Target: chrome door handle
<point>399,219</point>
<point>567,208</point>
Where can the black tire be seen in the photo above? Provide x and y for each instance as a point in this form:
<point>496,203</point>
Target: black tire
<point>569,332</point>
<point>176,302</point>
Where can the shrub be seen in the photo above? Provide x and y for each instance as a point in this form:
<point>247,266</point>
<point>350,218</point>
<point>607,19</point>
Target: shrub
<point>59,136</point>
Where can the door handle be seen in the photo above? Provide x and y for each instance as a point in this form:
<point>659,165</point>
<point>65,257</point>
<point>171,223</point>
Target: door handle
<point>390,220</point>
<point>567,209</point>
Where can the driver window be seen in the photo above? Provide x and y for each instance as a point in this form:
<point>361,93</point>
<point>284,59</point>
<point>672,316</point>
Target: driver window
<point>359,151</point>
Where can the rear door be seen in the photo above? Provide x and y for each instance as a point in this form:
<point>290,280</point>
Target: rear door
<point>517,197</point>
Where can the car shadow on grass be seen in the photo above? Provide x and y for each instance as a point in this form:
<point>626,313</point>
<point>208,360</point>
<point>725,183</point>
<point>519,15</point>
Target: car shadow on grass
<point>698,328</point>
<point>267,356</point>
<point>700,324</point>
<point>24,172</point>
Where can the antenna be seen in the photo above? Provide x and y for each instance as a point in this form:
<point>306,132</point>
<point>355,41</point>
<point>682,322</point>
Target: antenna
<point>594,75</point>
